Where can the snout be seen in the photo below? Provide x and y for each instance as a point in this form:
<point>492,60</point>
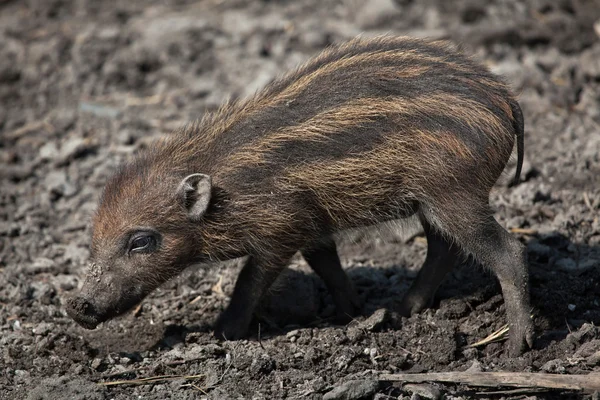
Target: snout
<point>84,312</point>
<point>103,297</point>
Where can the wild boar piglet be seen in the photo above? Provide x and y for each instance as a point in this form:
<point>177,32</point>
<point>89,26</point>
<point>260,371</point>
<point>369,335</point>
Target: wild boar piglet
<point>369,131</point>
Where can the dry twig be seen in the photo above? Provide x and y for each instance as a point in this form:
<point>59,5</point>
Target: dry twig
<point>151,380</point>
<point>588,382</point>
<point>524,231</point>
<point>496,336</point>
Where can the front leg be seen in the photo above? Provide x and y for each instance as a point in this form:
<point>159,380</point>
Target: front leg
<point>254,280</point>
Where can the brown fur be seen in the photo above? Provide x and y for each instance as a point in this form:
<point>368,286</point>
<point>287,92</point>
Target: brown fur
<point>366,132</point>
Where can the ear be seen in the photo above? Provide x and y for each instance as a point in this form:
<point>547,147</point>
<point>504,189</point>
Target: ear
<point>194,193</point>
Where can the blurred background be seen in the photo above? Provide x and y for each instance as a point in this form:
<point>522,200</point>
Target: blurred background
<point>85,84</point>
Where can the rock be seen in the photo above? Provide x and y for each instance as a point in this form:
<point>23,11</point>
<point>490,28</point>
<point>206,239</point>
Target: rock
<point>554,366</point>
<point>77,255</point>
<point>22,376</point>
<point>351,390</point>
<point>585,333</point>
<point>376,12</point>
<point>63,119</point>
<point>375,322</point>
<point>96,363</point>
<point>475,367</point>
<point>65,282</point>
<point>314,38</point>
<point>590,62</point>
<point>470,353</point>
<point>423,390</point>
<point>10,229</point>
<point>73,148</point>
<point>59,185</point>
<point>16,173</point>
<point>594,359</point>
<point>43,328</point>
<point>381,396</point>
<point>48,151</point>
<point>588,349</point>
<point>549,59</point>
<point>293,334</point>
<point>41,291</point>
<point>355,333</point>
<point>40,265</point>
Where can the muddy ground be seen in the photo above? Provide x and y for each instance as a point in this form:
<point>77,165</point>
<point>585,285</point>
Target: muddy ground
<point>85,84</point>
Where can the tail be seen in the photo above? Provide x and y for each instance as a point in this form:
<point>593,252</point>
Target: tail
<point>518,125</point>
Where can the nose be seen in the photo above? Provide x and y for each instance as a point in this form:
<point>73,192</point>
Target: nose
<point>83,312</point>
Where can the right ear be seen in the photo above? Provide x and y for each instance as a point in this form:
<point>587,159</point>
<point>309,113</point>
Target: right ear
<point>194,193</point>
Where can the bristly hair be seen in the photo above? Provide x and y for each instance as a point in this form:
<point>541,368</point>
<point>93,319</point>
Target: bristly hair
<point>355,136</point>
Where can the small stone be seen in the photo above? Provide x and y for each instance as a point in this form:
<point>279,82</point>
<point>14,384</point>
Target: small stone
<point>587,349</point>
<point>40,265</point>
<point>585,333</point>
<point>318,384</point>
<point>96,363</point>
<point>470,353</point>
<point>314,38</point>
<point>355,333</point>
<point>352,390</point>
<point>75,254</point>
<point>73,148</point>
<point>55,182</point>
<point>594,359</point>
<point>49,151</point>
<point>590,62</point>
<point>65,282</point>
<point>375,12</point>
<point>549,59</point>
<point>423,390</point>
<point>375,322</point>
<point>571,307</point>
<point>475,367</point>
<point>10,229</point>
<point>78,369</point>
<point>292,333</point>
<point>43,328</point>
<point>554,366</point>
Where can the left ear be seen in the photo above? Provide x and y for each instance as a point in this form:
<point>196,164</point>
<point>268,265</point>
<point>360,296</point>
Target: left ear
<point>194,193</point>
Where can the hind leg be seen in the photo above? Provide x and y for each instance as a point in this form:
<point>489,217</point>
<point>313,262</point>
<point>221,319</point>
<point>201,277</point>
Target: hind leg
<point>324,260</point>
<point>441,258</point>
<point>481,236</point>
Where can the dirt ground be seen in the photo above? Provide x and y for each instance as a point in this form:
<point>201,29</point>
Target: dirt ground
<point>85,84</point>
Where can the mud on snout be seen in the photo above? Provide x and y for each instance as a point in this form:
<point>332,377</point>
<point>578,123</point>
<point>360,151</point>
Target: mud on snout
<point>104,295</point>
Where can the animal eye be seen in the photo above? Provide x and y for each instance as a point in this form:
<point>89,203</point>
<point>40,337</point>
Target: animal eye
<point>142,244</point>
